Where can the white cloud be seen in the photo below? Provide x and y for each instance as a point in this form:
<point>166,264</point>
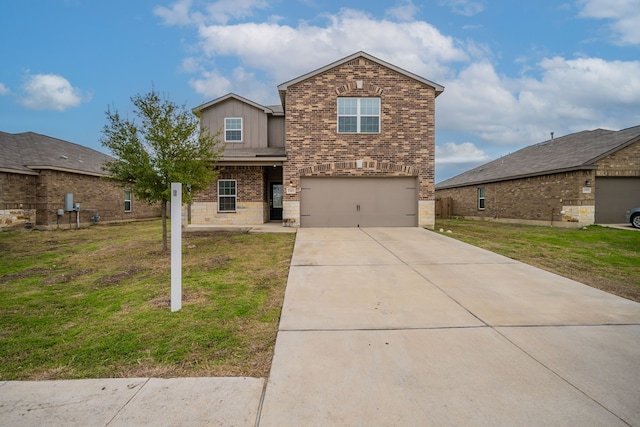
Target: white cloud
<point>463,7</point>
<point>219,12</point>
<point>50,92</point>
<point>404,11</point>
<point>211,84</point>
<point>4,90</point>
<point>466,152</point>
<point>570,95</point>
<point>556,94</point>
<point>623,14</point>
<point>177,14</point>
<point>282,52</point>
<point>224,10</point>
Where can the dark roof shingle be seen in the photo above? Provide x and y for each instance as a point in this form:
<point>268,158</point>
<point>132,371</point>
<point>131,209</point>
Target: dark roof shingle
<point>575,151</point>
<point>28,152</point>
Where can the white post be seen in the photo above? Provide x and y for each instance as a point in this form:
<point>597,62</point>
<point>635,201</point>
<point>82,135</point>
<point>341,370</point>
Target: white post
<point>176,246</point>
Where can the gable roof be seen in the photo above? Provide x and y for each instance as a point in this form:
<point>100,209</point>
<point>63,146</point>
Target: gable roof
<point>284,86</point>
<point>577,151</point>
<point>274,109</point>
<point>29,152</point>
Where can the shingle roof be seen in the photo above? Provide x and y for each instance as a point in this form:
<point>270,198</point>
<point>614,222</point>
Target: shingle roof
<point>571,152</point>
<point>272,109</point>
<point>29,152</point>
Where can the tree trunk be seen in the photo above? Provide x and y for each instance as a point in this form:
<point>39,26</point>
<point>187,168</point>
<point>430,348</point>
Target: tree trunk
<point>164,225</point>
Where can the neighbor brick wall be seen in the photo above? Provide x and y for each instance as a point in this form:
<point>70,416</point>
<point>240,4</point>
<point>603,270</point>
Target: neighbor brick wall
<point>17,200</point>
<point>404,146</point>
<point>17,191</point>
<point>537,199</point>
<point>622,163</point>
<point>95,195</point>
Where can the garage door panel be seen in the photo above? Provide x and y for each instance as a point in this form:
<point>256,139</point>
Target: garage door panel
<point>359,201</point>
<point>614,196</point>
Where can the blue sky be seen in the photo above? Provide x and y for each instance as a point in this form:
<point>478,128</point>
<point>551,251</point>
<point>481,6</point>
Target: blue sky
<point>513,71</point>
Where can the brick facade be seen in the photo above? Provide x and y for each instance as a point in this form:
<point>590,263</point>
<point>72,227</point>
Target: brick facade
<point>566,199</point>
<point>404,146</point>
<point>251,198</point>
<point>34,200</point>
<point>622,163</point>
<point>538,200</point>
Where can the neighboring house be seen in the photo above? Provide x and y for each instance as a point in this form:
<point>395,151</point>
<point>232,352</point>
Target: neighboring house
<point>579,179</point>
<point>351,144</point>
<point>36,174</point>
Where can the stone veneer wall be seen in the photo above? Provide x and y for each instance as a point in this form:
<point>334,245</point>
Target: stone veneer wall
<point>404,146</point>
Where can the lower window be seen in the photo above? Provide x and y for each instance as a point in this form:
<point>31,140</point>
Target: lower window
<point>127,201</point>
<point>481,198</point>
<point>227,195</point>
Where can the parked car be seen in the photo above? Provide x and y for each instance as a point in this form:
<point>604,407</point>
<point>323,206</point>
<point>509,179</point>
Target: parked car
<point>633,216</point>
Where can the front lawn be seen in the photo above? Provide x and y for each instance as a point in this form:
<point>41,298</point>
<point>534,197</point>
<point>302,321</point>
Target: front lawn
<point>94,302</point>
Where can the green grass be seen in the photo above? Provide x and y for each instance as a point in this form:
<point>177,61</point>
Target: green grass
<point>95,303</point>
<point>605,258</point>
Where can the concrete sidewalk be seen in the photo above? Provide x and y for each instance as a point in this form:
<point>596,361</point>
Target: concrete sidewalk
<point>394,326</point>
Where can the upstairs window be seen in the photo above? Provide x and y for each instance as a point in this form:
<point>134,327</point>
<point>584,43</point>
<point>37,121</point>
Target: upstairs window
<point>233,129</point>
<point>358,115</point>
<point>127,201</point>
<point>481,198</point>
<point>227,195</point>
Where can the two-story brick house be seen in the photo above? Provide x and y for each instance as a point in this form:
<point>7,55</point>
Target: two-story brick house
<point>351,144</point>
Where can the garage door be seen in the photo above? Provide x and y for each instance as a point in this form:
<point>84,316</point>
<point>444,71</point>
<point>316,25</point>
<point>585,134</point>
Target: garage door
<point>359,202</point>
<point>614,196</point>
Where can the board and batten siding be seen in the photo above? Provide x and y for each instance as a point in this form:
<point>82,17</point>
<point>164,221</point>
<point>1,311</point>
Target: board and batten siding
<point>254,123</point>
<point>276,131</point>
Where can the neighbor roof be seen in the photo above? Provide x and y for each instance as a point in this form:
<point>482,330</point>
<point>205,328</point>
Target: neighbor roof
<point>571,152</point>
<point>284,86</point>
<point>29,152</point>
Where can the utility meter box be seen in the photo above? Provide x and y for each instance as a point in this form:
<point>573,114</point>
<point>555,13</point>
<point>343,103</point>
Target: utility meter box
<point>68,202</point>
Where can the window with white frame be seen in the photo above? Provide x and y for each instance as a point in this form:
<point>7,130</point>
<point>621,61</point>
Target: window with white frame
<point>227,195</point>
<point>127,200</point>
<point>358,115</point>
<point>233,129</point>
<point>481,198</point>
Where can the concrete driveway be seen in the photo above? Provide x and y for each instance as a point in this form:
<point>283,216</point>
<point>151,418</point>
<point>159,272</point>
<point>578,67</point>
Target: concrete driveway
<point>403,326</point>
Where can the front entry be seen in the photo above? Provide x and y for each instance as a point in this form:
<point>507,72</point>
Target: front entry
<point>275,201</point>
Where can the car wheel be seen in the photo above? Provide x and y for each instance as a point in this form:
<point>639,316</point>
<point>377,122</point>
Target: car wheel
<point>635,220</point>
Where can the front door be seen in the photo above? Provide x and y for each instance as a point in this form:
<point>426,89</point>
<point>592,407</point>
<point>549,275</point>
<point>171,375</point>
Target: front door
<point>275,201</point>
